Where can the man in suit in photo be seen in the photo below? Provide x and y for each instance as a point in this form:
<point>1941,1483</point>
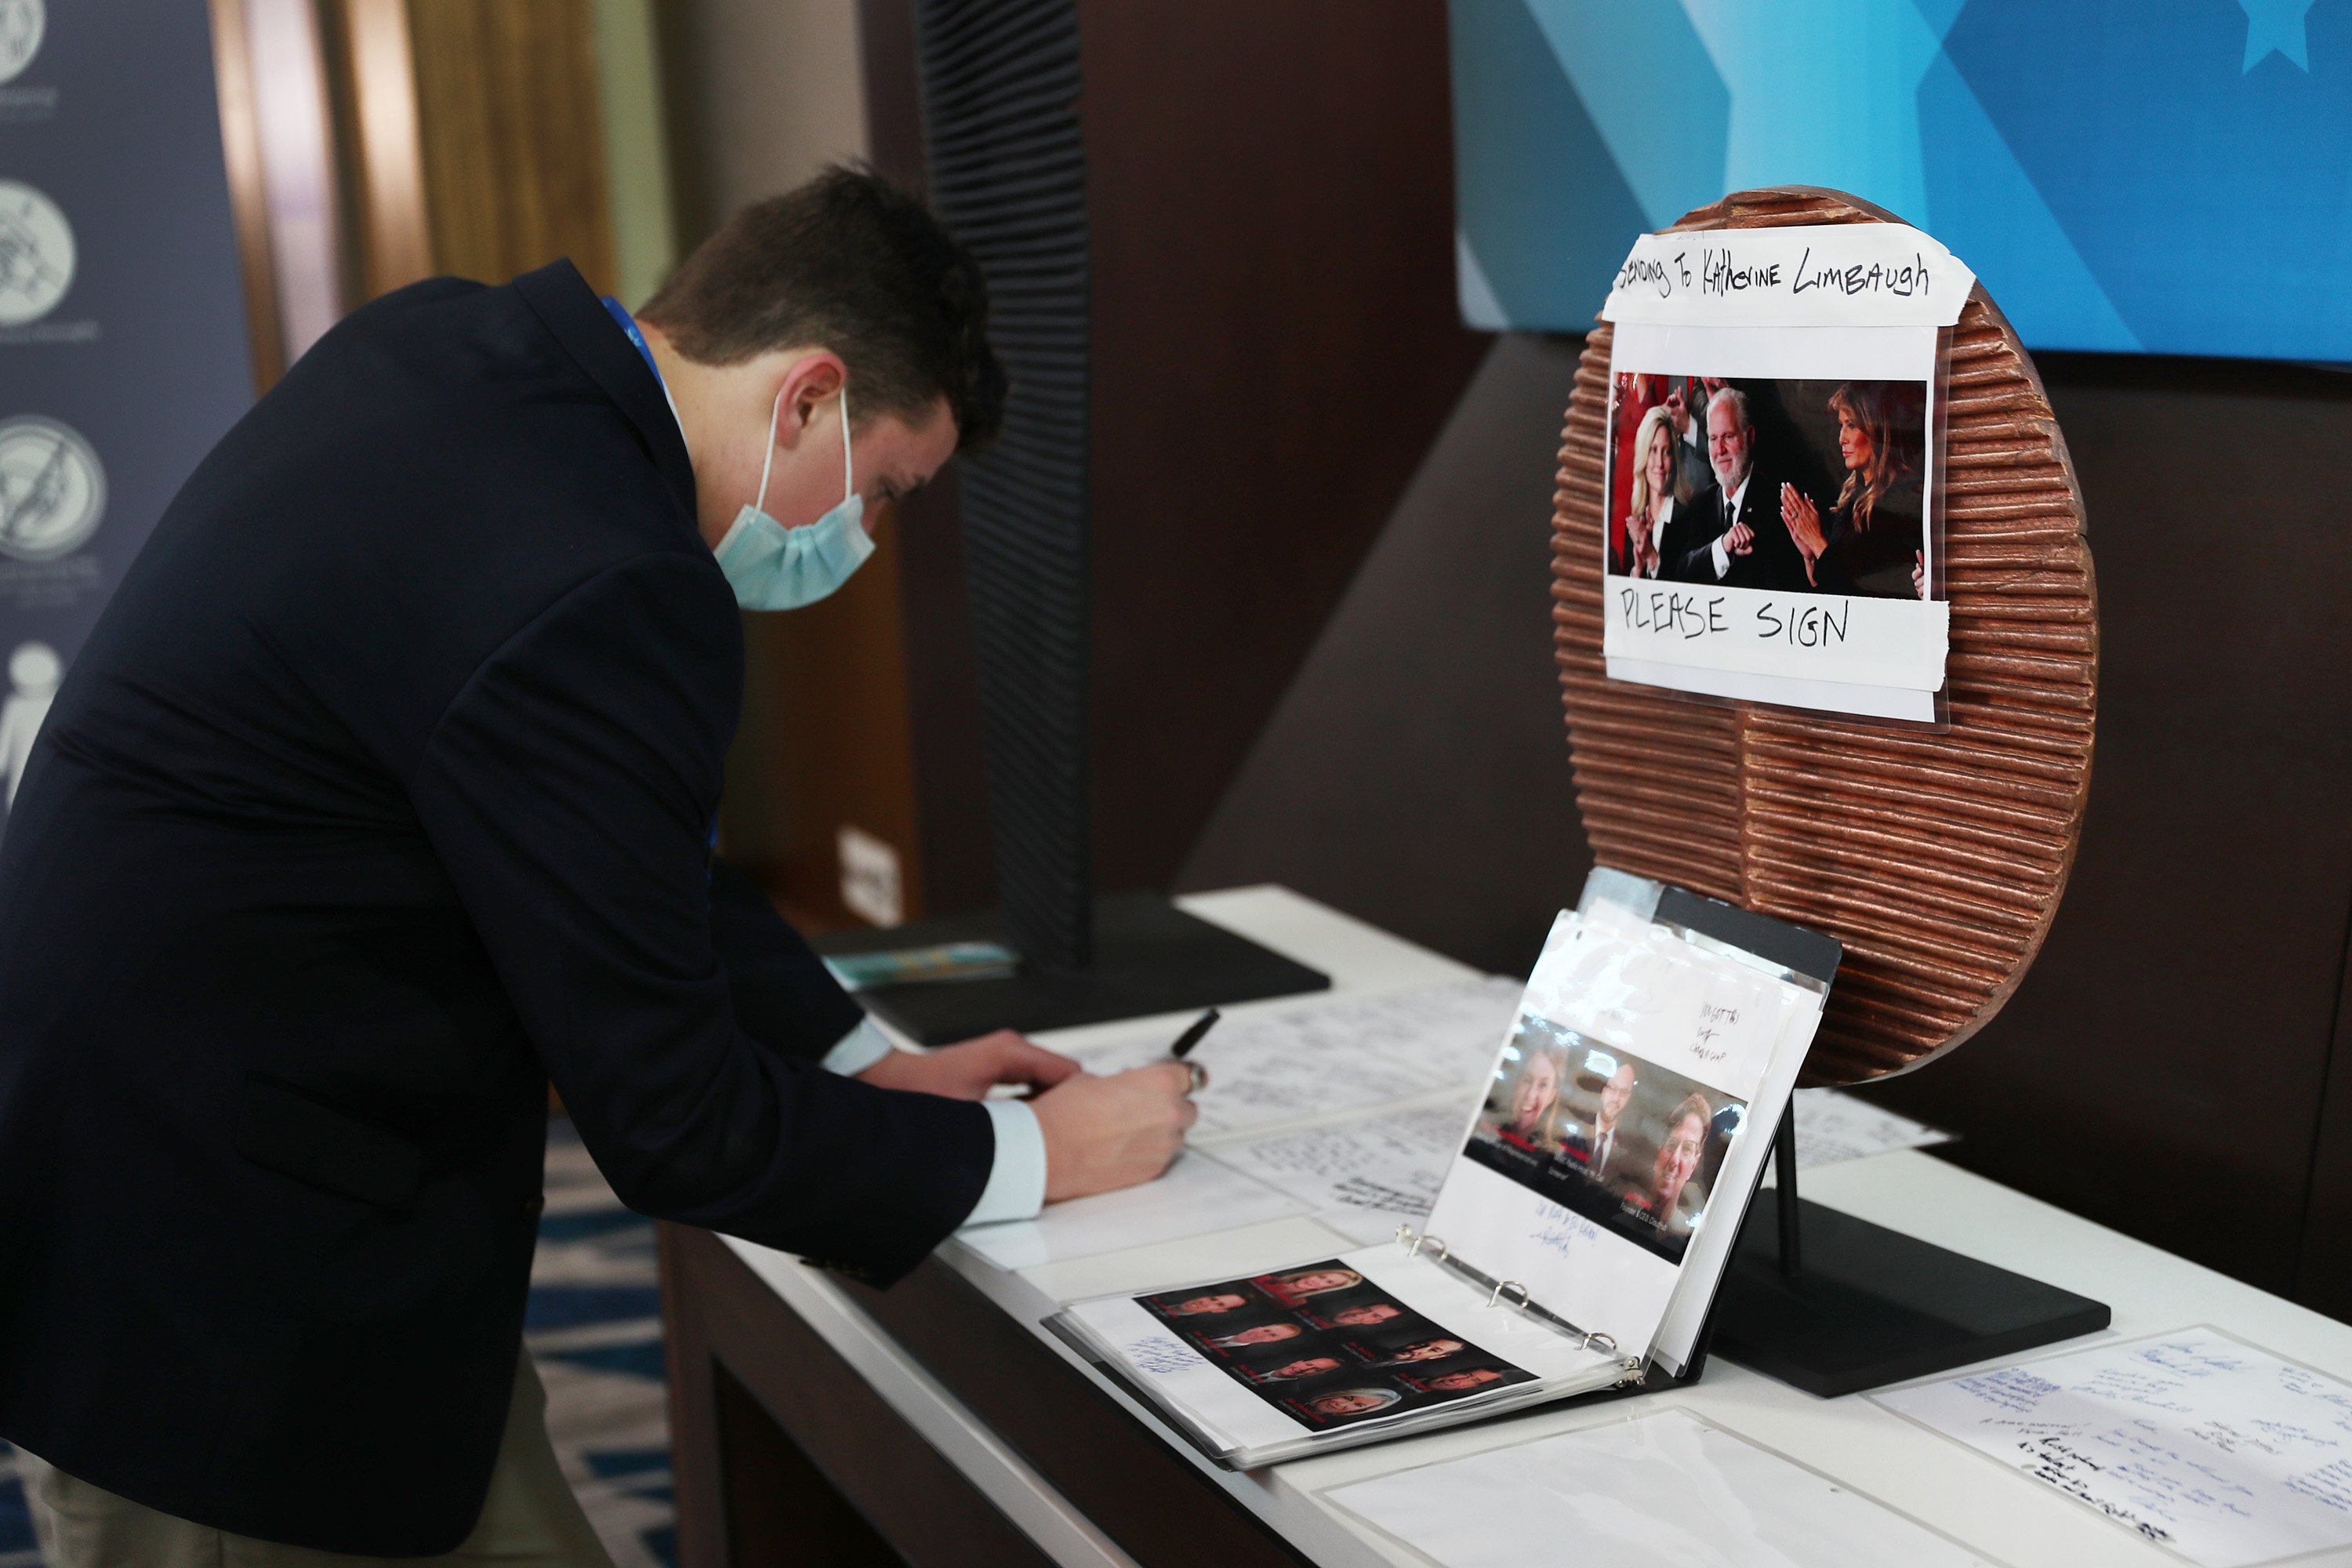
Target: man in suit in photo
<point>1597,1145</point>
<point>1731,532</point>
<point>383,795</point>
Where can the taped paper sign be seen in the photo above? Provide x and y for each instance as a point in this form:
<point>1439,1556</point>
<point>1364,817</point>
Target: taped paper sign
<point>1771,496</point>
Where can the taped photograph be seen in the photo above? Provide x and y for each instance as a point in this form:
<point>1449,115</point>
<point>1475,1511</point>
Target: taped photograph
<point>1769,516</point>
<point>1798,486</point>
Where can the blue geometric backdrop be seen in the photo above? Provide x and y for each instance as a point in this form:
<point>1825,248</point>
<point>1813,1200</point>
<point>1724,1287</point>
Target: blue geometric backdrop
<point>2165,175</point>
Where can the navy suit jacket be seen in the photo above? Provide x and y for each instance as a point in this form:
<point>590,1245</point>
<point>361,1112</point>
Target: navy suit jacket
<point>1773,562</point>
<point>380,794</point>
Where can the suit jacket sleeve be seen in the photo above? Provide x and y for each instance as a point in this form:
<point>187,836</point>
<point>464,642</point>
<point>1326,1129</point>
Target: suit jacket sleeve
<point>1696,563</point>
<point>568,790</point>
<point>785,996</point>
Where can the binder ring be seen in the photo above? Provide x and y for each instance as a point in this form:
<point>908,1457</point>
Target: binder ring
<point>1503,1285</point>
<point>1598,1338</point>
<point>1414,1251</point>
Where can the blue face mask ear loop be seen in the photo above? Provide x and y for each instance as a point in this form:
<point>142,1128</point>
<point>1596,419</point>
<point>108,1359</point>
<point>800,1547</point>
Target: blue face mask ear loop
<point>848,473</point>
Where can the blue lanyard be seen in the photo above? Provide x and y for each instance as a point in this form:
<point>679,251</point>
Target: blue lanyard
<point>636,338</point>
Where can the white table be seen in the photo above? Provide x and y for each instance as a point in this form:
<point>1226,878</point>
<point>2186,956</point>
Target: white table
<point>1996,1512</point>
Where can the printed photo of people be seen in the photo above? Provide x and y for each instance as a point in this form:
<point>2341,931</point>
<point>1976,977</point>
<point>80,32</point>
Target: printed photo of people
<point>1461,1380</point>
<point>1795,486</point>
<point>1354,1315</point>
<point>1628,1144</point>
<point>1328,1346</point>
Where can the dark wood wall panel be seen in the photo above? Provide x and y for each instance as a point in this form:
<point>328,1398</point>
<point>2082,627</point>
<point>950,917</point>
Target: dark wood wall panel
<point>1416,771</point>
<point>1270,188</point>
<point>2323,1275</point>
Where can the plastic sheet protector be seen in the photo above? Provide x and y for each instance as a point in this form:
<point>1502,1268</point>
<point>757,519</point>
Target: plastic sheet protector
<point>1663,1489</point>
<point>2225,1455</point>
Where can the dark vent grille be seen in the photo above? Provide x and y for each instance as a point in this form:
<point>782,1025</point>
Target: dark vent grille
<point>1008,177</point>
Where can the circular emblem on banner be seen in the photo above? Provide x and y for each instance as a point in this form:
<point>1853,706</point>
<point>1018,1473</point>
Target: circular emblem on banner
<point>37,254</point>
<point>52,490</point>
<point>22,22</point>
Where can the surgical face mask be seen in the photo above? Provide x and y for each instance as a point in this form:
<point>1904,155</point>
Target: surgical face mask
<point>772,567</point>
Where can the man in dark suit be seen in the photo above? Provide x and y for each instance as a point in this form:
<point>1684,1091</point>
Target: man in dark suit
<point>1597,1146</point>
<point>382,794</point>
<point>1731,532</point>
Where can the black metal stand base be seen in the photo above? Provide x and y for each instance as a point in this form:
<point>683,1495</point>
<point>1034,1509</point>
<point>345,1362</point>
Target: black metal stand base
<point>1864,1306</point>
<point>1150,957</point>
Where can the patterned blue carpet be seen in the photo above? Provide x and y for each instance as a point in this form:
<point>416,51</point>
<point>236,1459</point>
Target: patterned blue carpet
<point>595,1328</point>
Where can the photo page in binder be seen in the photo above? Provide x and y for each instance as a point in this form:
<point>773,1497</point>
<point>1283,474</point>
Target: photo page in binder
<point>1629,1116</point>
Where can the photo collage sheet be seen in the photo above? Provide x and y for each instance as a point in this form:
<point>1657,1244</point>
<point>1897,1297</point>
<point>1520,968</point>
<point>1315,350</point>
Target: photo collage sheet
<point>1328,1347</point>
<point>1641,1083</point>
<point>1771,486</point>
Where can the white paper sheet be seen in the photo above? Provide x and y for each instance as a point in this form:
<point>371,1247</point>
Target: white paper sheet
<point>1363,1178</point>
<point>2223,1453</point>
<point>1313,1059</point>
<point>1665,1488</point>
<point>1196,1195</point>
<point>1782,638</point>
<point>1832,1128</point>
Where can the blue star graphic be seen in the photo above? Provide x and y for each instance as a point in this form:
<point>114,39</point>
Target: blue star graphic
<point>2276,27</point>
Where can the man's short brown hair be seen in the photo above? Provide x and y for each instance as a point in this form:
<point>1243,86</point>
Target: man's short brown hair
<point>851,263</point>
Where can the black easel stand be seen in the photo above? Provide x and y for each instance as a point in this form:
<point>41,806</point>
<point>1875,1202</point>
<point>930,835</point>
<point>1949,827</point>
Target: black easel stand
<point>1834,1304</point>
<point>1149,957</point>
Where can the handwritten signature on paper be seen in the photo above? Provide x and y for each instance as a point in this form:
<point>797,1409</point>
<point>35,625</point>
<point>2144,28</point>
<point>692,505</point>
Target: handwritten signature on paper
<point>2011,1388</point>
<point>1564,1231</point>
<point>2330,1484</point>
<point>2219,1450</point>
<point>1161,1356</point>
<point>2071,1472</point>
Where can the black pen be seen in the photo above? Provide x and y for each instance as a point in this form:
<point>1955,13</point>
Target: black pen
<point>1193,1033</point>
<point>1198,1076</point>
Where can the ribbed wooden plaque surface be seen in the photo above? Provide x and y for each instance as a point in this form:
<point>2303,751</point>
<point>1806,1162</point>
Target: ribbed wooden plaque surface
<point>1937,857</point>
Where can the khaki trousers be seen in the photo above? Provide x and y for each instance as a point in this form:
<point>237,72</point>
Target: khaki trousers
<point>530,1518</point>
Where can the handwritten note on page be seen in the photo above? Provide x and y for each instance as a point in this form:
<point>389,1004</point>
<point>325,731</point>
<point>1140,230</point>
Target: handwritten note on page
<point>1308,1062</point>
<point>1663,1489</point>
<point>2225,1454</point>
<point>1362,1178</point>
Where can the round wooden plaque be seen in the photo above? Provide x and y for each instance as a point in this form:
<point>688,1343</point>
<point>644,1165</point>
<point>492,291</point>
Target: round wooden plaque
<point>1937,857</point>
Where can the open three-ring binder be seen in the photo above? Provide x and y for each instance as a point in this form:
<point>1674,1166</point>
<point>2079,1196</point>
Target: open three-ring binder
<point>1583,1229</point>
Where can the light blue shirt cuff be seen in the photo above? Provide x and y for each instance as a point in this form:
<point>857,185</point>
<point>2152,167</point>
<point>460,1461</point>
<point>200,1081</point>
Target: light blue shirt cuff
<point>858,1049</point>
<point>1016,1183</point>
